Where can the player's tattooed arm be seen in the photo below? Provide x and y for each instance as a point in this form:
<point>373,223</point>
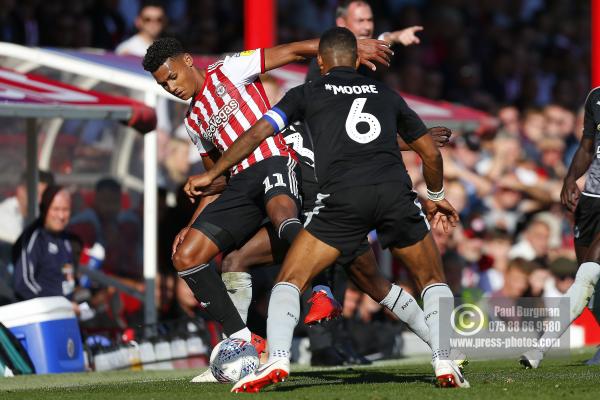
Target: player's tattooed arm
<point>240,149</point>
<point>584,156</point>
<point>440,134</point>
<point>370,51</point>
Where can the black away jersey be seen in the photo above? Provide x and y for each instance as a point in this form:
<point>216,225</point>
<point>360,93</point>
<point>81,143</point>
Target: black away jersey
<point>353,121</point>
<point>591,128</point>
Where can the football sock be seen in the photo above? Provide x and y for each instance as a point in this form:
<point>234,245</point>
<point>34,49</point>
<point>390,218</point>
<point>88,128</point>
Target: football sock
<point>432,297</point>
<point>406,308</point>
<point>209,290</point>
<point>243,334</point>
<point>323,288</point>
<point>289,229</point>
<point>579,295</point>
<point>284,311</point>
<point>239,288</point>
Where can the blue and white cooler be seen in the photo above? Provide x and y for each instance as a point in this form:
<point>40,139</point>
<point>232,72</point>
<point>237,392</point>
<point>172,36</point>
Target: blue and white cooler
<point>47,327</point>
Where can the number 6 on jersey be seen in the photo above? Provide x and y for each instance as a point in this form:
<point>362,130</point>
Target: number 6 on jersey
<point>355,116</point>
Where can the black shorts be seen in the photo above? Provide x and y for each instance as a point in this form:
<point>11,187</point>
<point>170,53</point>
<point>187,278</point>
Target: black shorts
<point>587,220</point>
<point>235,216</point>
<point>343,219</point>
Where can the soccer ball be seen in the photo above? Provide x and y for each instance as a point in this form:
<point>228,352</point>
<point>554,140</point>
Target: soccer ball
<point>233,359</point>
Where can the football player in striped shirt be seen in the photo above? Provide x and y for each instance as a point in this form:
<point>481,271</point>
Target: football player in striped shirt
<point>227,98</point>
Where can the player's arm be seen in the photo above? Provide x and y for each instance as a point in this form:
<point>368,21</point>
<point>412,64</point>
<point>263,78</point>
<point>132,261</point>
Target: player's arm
<point>405,37</point>
<point>581,162</point>
<point>241,148</point>
<point>414,133</point>
<point>209,194</point>
<point>440,134</point>
<point>290,108</point>
<point>584,155</point>
<point>370,51</point>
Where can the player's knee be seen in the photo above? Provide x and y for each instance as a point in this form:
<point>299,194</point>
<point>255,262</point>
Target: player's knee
<point>588,273</point>
<point>185,258</point>
<point>281,208</point>
<point>233,262</point>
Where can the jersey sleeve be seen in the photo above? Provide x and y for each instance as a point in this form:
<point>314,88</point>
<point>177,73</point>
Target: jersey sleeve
<point>409,124</point>
<point>288,110</point>
<point>589,122</point>
<point>26,266</point>
<point>245,66</point>
<point>204,146</point>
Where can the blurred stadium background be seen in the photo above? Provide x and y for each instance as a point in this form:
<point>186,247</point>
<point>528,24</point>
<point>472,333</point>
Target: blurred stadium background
<point>510,78</point>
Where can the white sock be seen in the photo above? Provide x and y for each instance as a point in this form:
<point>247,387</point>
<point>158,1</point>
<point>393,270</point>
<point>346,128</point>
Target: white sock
<point>323,288</point>
<point>579,295</point>
<point>432,299</point>
<point>239,288</point>
<point>243,334</point>
<point>401,303</point>
<point>284,312</point>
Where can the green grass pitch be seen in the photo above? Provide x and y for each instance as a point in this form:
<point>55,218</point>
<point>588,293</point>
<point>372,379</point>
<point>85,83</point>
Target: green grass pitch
<point>558,378</point>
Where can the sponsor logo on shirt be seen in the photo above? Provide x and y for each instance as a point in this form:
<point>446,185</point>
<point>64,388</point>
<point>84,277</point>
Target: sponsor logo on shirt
<point>52,248</point>
<point>220,118</point>
<point>246,53</point>
<point>220,90</point>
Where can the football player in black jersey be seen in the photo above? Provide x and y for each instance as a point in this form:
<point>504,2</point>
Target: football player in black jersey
<point>586,206</point>
<point>364,185</point>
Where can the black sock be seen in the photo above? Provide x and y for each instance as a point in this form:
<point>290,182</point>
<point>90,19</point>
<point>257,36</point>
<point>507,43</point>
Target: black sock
<point>210,291</point>
<point>289,229</point>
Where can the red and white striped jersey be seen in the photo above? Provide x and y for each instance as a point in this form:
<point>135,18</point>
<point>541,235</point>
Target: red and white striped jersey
<point>230,102</point>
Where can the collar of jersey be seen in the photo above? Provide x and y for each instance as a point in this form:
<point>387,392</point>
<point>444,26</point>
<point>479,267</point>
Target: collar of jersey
<point>341,69</point>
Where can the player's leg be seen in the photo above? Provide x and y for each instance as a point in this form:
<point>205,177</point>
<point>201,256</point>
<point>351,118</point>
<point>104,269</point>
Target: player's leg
<point>306,258</point>
<point>283,211</point>
<point>223,225</point>
<point>579,295</point>
<point>367,276</point>
<point>192,260</point>
<point>403,227</point>
<point>282,196</point>
<point>282,204</point>
<point>334,227</point>
<point>237,264</point>
<point>425,265</point>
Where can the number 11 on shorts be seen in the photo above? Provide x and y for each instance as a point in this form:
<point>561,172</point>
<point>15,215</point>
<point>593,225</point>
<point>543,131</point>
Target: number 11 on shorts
<point>278,182</point>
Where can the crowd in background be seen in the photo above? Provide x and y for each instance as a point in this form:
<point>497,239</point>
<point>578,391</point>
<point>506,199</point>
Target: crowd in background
<point>524,61</point>
<point>481,53</point>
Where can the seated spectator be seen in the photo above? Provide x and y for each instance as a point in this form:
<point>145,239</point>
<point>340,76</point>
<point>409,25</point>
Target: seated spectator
<point>119,232</point>
<point>42,255</point>
<point>12,220</point>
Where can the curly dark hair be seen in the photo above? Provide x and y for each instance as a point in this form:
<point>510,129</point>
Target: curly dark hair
<point>160,51</point>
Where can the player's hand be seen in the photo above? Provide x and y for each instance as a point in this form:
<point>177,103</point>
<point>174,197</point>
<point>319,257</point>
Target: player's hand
<point>440,134</point>
<point>195,185</point>
<point>441,212</point>
<point>179,239</point>
<point>569,196</point>
<point>407,37</point>
<point>216,187</point>
<point>372,50</point>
